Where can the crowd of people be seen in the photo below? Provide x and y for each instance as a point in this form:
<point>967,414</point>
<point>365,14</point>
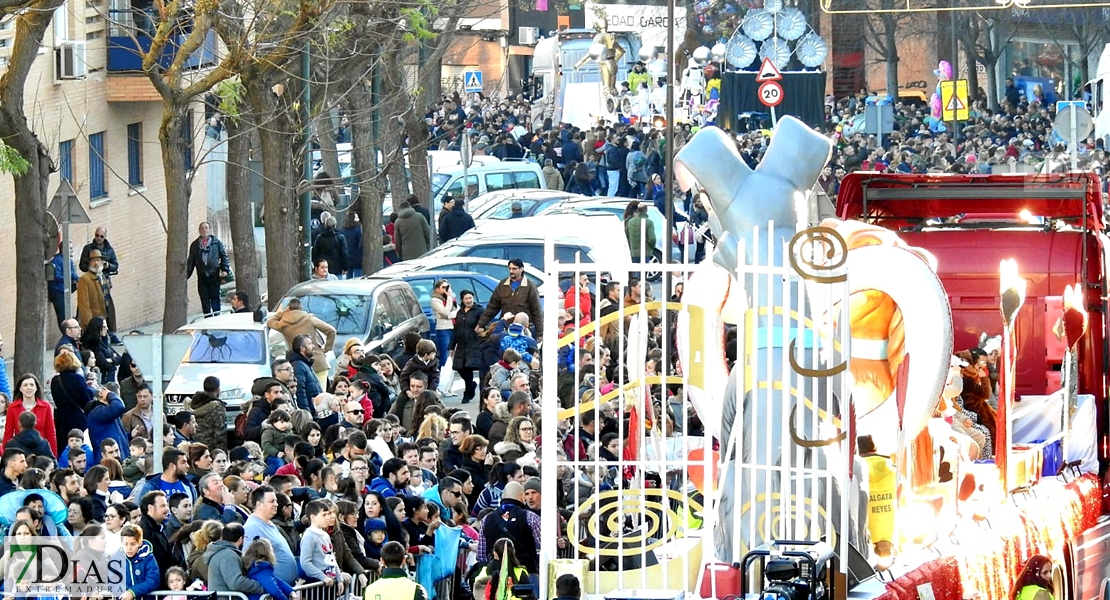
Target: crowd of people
<point>337,479</point>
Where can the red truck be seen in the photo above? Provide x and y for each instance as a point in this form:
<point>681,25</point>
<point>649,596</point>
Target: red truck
<point>1052,225</point>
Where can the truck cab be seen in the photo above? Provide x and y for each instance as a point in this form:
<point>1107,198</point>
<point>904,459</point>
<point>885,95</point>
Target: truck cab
<point>1052,225</point>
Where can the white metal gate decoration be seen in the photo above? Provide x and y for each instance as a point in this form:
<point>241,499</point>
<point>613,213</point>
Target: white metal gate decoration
<point>771,460</point>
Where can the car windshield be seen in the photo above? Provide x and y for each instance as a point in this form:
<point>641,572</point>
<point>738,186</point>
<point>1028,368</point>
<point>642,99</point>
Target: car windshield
<point>439,180</point>
<point>227,346</point>
<point>347,313</point>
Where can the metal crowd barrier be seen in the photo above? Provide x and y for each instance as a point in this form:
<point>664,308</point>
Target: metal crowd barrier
<point>318,591</point>
<point>199,594</point>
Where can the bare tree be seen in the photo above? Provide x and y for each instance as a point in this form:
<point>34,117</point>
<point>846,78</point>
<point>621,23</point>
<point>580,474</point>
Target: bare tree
<point>1086,28</point>
<point>30,166</point>
<point>985,36</point>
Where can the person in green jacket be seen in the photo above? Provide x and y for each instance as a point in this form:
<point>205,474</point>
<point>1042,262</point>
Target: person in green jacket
<point>633,227</point>
<point>1035,581</point>
<point>637,76</point>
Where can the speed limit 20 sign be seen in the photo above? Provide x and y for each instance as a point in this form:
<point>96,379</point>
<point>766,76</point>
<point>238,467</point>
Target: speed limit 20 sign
<point>770,93</point>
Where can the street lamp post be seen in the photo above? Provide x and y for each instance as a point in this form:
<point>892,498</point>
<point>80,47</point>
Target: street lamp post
<point>668,183</point>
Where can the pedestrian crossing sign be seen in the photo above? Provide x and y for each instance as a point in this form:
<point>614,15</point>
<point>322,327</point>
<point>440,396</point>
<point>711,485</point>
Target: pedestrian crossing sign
<point>472,82</point>
<point>953,100</point>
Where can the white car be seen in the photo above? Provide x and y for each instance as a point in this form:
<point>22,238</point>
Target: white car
<point>234,348</point>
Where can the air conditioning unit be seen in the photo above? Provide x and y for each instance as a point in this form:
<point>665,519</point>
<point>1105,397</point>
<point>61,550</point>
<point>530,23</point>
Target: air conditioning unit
<point>69,61</point>
<point>528,35</point>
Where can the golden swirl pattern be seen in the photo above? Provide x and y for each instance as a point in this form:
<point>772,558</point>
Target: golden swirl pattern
<point>653,506</point>
<point>819,254</point>
<point>775,513</point>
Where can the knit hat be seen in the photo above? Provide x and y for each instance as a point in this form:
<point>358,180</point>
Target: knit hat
<point>375,525</point>
<point>533,485</point>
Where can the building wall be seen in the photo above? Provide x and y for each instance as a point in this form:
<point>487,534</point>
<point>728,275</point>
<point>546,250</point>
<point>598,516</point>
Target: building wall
<point>72,110</point>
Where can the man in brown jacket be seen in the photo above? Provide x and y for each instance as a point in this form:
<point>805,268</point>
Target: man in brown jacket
<point>291,321</point>
<point>90,291</point>
<point>515,294</point>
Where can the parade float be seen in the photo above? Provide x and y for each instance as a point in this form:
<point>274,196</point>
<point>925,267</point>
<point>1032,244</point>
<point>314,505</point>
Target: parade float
<point>795,338</point>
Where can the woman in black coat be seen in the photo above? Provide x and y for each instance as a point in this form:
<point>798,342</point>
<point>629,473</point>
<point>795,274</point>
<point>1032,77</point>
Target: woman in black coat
<point>96,341</point>
<point>467,346</point>
<point>71,393</point>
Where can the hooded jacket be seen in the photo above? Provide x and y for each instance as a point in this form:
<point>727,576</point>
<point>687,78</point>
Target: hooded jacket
<point>31,442</point>
<point>412,234</point>
<point>552,178</point>
<point>143,575</point>
<point>455,222</point>
<point>292,323</point>
<point>308,386</point>
<point>211,414</point>
<point>501,418</point>
<point>331,246</point>
<point>517,339</point>
<point>263,572</point>
<point>225,570</point>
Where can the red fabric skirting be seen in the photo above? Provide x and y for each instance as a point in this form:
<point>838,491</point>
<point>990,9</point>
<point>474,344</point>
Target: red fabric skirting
<point>988,561</point>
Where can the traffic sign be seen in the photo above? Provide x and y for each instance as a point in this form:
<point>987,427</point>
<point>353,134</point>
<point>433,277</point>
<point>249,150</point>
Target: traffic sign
<point>768,72</point>
<point>770,93</point>
<point>66,207</point>
<point>472,82</point>
<point>1073,122</point>
<point>953,100</point>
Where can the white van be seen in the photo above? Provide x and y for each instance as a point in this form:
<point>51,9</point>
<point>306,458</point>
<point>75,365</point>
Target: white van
<point>486,177</point>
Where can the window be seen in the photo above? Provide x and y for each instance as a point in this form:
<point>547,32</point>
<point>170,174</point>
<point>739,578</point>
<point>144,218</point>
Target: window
<point>227,346</point>
<point>347,313</point>
<point>135,154</point>
<point>187,141</point>
<point>98,185</point>
<point>65,160</point>
<point>527,179</point>
<point>456,190</point>
<point>499,181</point>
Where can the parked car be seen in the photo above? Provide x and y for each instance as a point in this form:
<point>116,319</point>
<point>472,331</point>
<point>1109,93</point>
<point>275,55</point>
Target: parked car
<point>233,347</point>
<point>496,269</point>
<point>499,205</point>
<point>423,283</point>
<point>616,207</point>
<point>486,177</point>
<point>377,311</point>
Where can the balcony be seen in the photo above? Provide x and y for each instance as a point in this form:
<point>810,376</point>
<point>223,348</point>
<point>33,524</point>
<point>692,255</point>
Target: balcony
<point>125,51</point>
<point>129,39</point>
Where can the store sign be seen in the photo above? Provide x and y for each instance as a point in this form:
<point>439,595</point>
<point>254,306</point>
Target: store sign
<point>649,21</point>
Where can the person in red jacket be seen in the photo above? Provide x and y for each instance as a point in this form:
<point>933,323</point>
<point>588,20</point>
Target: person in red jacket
<point>580,297</point>
<point>28,392</point>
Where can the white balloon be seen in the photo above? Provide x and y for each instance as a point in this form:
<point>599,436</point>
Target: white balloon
<point>701,56</point>
<point>718,52</point>
<point>647,53</point>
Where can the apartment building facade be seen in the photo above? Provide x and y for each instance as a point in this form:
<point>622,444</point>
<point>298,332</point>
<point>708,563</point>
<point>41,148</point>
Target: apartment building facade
<point>100,119</point>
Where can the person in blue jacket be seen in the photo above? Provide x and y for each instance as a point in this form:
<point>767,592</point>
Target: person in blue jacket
<point>142,575</point>
<point>104,419</point>
<point>56,287</point>
<point>260,557</point>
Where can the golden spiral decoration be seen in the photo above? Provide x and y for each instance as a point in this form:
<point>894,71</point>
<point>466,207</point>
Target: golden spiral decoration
<point>819,254</point>
<point>815,520</point>
<point>652,506</point>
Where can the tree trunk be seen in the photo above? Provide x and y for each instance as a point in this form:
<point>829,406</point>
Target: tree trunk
<point>171,135</point>
<point>891,43</point>
<point>366,161</point>
<point>393,103</point>
<point>417,131</point>
<point>279,182</point>
<point>325,135</point>
<point>30,188</point>
<point>972,73</point>
<point>30,223</point>
<point>240,209</point>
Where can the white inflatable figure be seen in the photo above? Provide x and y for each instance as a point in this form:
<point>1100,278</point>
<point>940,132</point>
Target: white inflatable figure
<point>693,84</point>
<point>741,202</point>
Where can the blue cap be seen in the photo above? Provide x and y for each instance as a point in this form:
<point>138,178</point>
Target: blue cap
<point>375,525</point>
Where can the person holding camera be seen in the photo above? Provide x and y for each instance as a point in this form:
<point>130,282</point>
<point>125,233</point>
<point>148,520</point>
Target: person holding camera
<point>105,420</point>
